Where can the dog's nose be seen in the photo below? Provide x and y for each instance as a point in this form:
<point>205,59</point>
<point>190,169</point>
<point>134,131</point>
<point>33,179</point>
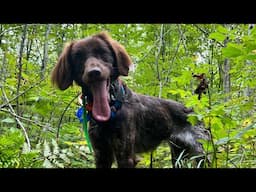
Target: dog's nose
<point>94,72</point>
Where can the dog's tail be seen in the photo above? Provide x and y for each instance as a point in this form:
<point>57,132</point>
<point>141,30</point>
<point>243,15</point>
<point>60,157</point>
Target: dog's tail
<point>201,133</point>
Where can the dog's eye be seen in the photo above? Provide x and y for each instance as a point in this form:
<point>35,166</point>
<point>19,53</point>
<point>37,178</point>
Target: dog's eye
<point>79,54</point>
<point>105,56</point>
<point>99,50</point>
<point>79,57</point>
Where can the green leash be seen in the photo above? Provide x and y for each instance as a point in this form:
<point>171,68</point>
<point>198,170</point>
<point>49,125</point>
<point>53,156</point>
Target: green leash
<point>85,124</point>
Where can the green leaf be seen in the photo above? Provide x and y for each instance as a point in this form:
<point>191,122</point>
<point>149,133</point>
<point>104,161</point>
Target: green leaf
<point>192,118</point>
<point>251,56</point>
<point>217,36</point>
<point>42,106</point>
<point>181,92</point>
<point>229,123</point>
<point>222,29</point>
<point>8,120</point>
<point>34,98</point>
<point>216,123</point>
<point>218,110</point>
<point>231,51</point>
<point>252,126</point>
<point>253,31</point>
<point>223,141</point>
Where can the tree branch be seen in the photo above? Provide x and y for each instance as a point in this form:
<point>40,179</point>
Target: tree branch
<point>45,53</point>
<point>19,67</point>
<point>207,34</point>
<point>9,101</point>
<point>174,56</point>
<point>26,119</point>
<point>202,30</point>
<point>10,29</point>
<point>148,52</point>
<point>62,115</point>
<point>17,119</point>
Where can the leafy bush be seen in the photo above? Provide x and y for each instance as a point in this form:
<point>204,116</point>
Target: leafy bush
<point>14,151</point>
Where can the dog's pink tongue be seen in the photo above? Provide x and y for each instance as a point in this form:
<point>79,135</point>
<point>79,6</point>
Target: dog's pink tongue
<point>100,109</point>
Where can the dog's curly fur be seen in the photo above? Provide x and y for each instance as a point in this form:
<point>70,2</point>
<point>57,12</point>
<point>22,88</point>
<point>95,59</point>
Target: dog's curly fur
<point>141,124</point>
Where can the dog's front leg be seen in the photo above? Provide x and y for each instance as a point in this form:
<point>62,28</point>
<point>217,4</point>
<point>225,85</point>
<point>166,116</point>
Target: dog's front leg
<point>125,157</point>
<point>124,148</point>
<point>102,147</point>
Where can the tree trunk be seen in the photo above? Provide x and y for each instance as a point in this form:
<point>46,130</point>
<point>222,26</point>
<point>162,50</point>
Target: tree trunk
<point>157,56</point>
<point>29,44</point>
<point>226,78</point>
<point>226,75</point>
<point>45,57</point>
<point>158,53</point>
<point>220,70</point>
<point>211,65</point>
<point>3,70</point>
<point>1,35</point>
<point>174,55</point>
<point>19,67</point>
<point>61,38</point>
<point>249,91</point>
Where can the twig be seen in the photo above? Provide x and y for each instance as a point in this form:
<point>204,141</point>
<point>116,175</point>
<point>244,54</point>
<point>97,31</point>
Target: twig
<point>25,119</point>
<point>159,52</point>
<point>19,66</point>
<point>9,101</point>
<point>10,29</point>
<point>62,115</point>
<point>172,61</point>
<point>17,119</point>
<point>151,160</point>
<point>202,30</point>
<point>183,42</point>
<point>207,34</point>
<point>148,52</point>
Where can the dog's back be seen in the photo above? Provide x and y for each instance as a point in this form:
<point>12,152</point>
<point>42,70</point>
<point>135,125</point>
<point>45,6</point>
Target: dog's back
<point>155,120</point>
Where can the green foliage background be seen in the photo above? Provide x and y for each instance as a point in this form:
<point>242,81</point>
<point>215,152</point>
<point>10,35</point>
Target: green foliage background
<point>164,57</point>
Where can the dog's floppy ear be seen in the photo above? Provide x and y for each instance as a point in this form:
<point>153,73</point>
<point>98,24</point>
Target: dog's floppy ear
<point>62,73</point>
<point>123,59</point>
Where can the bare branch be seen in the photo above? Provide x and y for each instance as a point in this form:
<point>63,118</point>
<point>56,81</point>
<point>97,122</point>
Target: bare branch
<point>148,52</point>
<point>202,30</point>
<point>45,53</point>
<point>62,115</point>
<point>20,64</point>
<point>22,93</point>
<point>17,119</point>
<point>173,58</point>
<point>9,29</point>
<point>206,34</point>
<point>26,119</point>
<point>161,43</point>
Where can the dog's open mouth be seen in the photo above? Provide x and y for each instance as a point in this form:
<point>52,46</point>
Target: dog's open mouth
<point>100,109</point>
